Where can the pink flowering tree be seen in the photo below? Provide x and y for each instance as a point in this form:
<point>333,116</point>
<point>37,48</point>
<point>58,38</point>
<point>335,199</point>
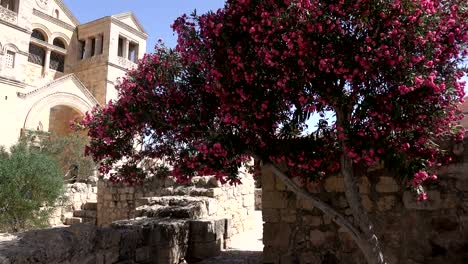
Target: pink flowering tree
<point>243,82</point>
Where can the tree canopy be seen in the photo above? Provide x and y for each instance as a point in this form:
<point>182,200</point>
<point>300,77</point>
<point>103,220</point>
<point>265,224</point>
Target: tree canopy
<point>243,81</point>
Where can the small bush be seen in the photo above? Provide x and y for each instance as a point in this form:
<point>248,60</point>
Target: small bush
<point>69,152</point>
<point>29,181</point>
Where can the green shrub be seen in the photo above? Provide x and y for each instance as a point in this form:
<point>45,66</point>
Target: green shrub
<point>30,180</point>
<point>69,152</point>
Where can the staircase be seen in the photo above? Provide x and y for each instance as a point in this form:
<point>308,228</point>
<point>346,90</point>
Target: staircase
<point>87,215</point>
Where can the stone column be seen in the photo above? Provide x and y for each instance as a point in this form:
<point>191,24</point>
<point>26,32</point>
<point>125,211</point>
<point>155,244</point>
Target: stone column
<point>87,48</point>
<point>45,71</point>
<point>125,47</point>
<point>99,40</point>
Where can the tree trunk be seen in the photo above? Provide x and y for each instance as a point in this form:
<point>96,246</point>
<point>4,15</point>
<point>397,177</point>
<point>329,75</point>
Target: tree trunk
<point>373,252</point>
<point>365,239</point>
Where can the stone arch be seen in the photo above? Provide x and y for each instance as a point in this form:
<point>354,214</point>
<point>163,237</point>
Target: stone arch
<point>9,46</point>
<point>44,30</point>
<point>52,100</point>
<point>61,36</point>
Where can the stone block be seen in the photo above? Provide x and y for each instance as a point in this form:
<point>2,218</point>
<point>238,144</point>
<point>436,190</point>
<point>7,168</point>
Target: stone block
<point>386,203</point>
<point>211,206</point>
<point>433,202</point>
<point>202,250</point>
<point>248,201</point>
<point>206,230</point>
<point>271,255</point>
<point>107,238</point>
<point>387,185</point>
<point>276,235</point>
<point>214,192</point>
<point>142,255</point>
<point>279,186</point>
<point>168,255</point>
<point>268,180</point>
<point>73,220</point>
<point>318,238</point>
<point>310,257</point>
<point>288,215</point>
<point>271,215</point>
<point>462,185</point>
<point>334,184</point>
<point>304,204</point>
<point>364,185</point>
<point>274,200</point>
<point>311,220</point>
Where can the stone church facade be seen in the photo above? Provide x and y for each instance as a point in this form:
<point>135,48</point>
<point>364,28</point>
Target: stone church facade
<point>53,68</point>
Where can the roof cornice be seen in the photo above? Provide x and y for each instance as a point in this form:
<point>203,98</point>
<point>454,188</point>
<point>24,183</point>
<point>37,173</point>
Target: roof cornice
<point>137,32</point>
<point>68,12</point>
<point>52,19</point>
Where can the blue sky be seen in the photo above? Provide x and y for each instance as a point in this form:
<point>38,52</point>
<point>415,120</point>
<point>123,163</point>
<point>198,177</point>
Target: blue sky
<point>155,16</point>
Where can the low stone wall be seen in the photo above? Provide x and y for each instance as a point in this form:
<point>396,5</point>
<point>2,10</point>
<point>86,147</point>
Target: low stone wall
<point>412,232</point>
<point>118,201</point>
<point>145,241</point>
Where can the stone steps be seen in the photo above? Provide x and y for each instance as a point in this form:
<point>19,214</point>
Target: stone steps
<point>91,205</point>
<point>87,215</point>
<point>79,220</point>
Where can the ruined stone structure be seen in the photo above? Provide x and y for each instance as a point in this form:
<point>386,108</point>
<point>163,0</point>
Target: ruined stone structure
<point>53,69</point>
<point>156,240</point>
<point>205,195</point>
<point>413,232</point>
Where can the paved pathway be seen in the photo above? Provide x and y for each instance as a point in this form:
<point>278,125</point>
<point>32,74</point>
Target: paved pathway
<point>246,248</point>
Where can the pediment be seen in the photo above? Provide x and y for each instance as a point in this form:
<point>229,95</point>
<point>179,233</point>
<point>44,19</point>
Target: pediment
<point>131,20</point>
<point>69,84</point>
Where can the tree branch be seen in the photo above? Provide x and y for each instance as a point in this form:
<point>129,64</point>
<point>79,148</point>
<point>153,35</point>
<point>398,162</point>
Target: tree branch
<point>336,217</point>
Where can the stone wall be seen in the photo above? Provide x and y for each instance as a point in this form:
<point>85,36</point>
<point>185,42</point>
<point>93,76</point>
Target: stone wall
<point>413,232</point>
<point>76,196</point>
<point>145,241</point>
<point>118,201</point>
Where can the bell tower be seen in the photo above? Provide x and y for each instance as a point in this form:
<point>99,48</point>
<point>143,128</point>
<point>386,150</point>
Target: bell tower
<point>105,49</point>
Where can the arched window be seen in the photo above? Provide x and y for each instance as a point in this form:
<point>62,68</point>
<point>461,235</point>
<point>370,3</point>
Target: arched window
<point>37,53</point>
<point>38,35</point>
<point>59,43</point>
<point>57,13</point>
<point>57,61</point>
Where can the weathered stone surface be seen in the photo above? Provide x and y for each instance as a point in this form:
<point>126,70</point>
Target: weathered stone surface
<point>386,203</point>
<point>412,232</point>
<point>387,185</point>
<point>203,250</point>
<point>334,184</point>
<point>433,202</point>
<point>271,215</point>
<point>207,230</point>
<point>258,199</point>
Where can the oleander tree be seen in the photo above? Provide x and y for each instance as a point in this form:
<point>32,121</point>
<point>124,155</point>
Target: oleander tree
<point>246,80</point>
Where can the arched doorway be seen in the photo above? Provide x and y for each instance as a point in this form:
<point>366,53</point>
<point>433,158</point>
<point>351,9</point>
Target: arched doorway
<point>60,118</point>
<point>54,112</point>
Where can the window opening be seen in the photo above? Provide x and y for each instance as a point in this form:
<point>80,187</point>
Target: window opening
<point>10,59</point>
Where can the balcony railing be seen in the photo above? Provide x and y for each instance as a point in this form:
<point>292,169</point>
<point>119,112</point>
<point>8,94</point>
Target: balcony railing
<point>127,64</point>
<point>8,15</point>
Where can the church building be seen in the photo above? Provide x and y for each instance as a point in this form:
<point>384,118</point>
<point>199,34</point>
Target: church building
<point>53,69</point>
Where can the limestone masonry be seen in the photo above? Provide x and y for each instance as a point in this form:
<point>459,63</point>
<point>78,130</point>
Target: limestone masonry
<point>53,68</point>
<point>413,232</point>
